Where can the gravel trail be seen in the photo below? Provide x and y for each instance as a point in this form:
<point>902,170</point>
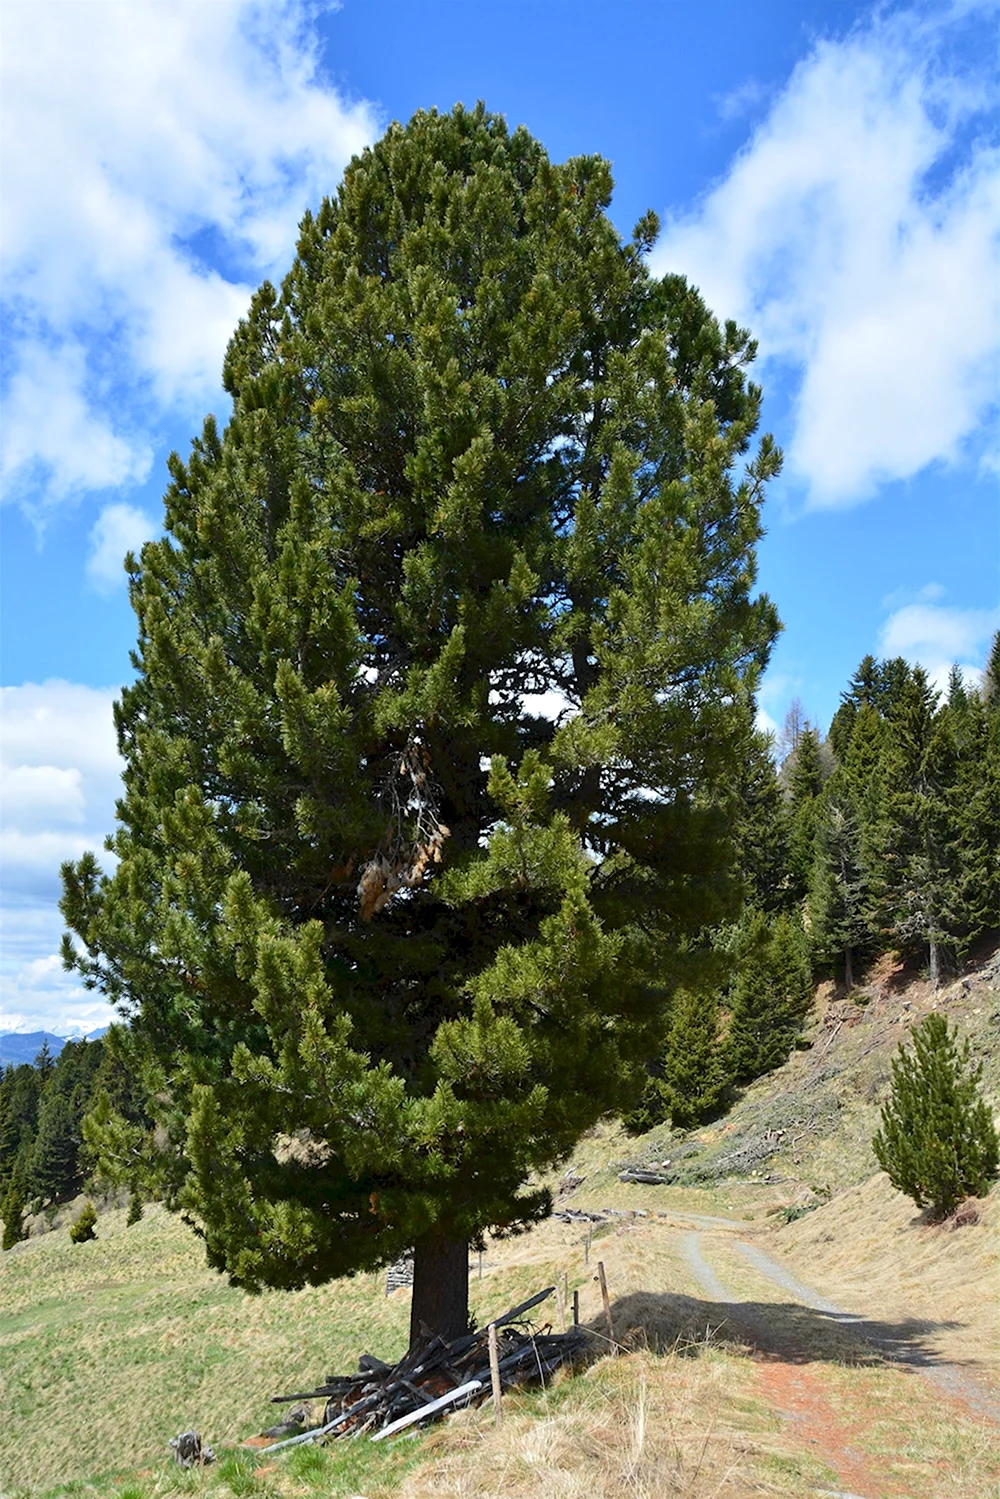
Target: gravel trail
<point>702,1270</point>
<point>950,1379</point>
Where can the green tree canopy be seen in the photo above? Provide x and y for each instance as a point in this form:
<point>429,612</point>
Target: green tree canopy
<point>390,936</point>
<point>936,1138</point>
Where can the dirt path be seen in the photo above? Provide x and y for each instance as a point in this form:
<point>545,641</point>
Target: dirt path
<point>950,1379</point>
<point>795,1392</point>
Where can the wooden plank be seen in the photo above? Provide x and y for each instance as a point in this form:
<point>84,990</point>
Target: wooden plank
<point>428,1410</point>
<point>321,1431</point>
<point>525,1306</point>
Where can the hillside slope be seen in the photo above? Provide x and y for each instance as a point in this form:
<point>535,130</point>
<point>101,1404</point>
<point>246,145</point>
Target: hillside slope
<point>107,1349</point>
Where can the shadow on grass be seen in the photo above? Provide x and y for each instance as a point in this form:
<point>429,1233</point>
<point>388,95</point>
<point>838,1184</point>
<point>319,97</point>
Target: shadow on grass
<point>785,1330</point>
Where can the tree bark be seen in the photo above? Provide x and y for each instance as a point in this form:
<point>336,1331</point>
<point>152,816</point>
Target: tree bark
<point>935,965</point>
<point>440,1289</point>
<point>848,969</point>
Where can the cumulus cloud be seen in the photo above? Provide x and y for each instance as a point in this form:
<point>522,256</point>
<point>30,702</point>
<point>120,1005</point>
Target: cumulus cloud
<point>156,161</point>
<point>937,636</point>
<point>54,437</point>
<point>856,235</point>
<point>117,530</point>
<point>59,778</point>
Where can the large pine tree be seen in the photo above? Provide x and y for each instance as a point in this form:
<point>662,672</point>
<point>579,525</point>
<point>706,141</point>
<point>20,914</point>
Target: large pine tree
<point>389,936</point>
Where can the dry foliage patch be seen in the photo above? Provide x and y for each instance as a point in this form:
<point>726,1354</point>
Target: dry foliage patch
<point>871,1251</point>
<point>639,1426</point>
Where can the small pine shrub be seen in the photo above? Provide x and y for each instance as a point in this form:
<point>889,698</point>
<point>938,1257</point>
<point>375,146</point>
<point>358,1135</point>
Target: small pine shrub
<point>12,1213</point>
<point>134,1214</point>
<point>793,1212</point>
<point>83,1228</point>
<point>936,1140</point>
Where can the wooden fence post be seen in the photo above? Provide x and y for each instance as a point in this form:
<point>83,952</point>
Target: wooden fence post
<point>576,1309</point>
<point>607,1303</point>
<point>495,1376</point>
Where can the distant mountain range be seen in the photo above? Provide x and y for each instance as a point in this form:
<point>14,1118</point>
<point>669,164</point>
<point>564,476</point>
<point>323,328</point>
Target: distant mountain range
<point>24,1046</point>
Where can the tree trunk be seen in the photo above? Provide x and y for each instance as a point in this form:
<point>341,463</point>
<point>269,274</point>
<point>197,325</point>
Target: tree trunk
<point>440,1289</point>
<point>935,965</point>
<point>848,970</point>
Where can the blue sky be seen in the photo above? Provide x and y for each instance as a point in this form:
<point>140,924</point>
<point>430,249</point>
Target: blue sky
<point>827,172</point>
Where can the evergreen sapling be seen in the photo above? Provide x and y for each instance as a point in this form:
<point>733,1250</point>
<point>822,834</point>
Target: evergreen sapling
<point>937,1141</point>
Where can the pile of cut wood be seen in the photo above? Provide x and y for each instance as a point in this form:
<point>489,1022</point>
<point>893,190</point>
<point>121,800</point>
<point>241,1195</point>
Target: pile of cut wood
<point>437,1376</point>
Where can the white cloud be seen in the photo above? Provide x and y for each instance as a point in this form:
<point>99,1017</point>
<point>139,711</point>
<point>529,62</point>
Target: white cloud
<point>856,235</point>
<point>39,794</point>
<point>62,724</point>
<point>53,432</point>
<point>117,530</point>
<point>59,776</point>
<point>742,100</point>
<point>141,141</point>
<point>41,995</point>
<point>765,724</point>
<point>937,637</point>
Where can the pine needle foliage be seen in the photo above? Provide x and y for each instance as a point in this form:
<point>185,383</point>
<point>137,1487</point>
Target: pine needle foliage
<point>84,1226</point>
<point>12,1208</point>
<point>770,994</point>
<point>389,937</point>
<point>937,1141</point>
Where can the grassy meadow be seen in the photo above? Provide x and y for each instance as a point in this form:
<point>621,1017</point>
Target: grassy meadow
<point>110,1348</point>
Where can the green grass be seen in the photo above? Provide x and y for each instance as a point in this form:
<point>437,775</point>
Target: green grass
<point>133,1340</point>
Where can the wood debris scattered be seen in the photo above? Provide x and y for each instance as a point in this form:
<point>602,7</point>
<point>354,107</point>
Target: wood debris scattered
<point>438,1376</point>
<point>190,1451</point>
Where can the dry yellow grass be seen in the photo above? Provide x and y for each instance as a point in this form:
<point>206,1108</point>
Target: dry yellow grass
<point>642,1426</point>
<point>869,1250</point>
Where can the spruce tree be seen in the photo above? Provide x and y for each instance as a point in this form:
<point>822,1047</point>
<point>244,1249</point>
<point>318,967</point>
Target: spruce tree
<point>388,936</point>
<point>937,1141</point>
<point>20,1097</point>
<point>689,1081</point>
<point>55,1165</point>
<point>12,1207</point>
<point>770,995</point>
<point>919,846</point>
<point>862,777</point>
<point>804,779</point>
<point>876,685</point>
<point>762,828</point>
<point>696,1076</point>
<point>990,692</point>
<point>975,798</point>
<point>838,900</point>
